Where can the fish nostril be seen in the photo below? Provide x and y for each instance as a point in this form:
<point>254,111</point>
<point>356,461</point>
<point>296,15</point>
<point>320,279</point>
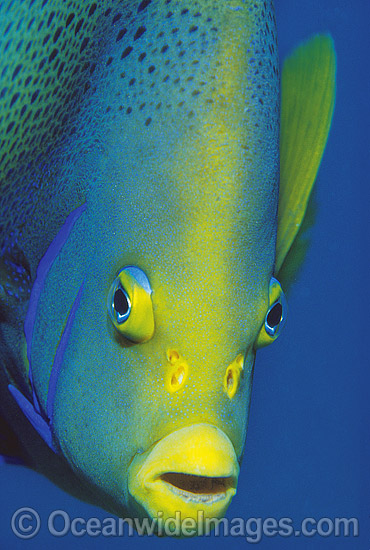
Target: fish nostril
<point>233,375</point>
<point>178,372</point>
<point>177,378</point>
<point>229,380</point>
<point>173,356</point>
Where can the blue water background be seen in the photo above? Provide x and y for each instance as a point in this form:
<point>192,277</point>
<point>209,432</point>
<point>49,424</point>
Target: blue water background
<point>307,453</point>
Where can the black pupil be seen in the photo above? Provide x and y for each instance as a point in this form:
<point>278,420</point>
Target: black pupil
<point>120,302</point>
<point>274,315</point>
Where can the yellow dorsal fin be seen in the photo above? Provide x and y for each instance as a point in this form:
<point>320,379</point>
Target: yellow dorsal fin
<point>307,104</point>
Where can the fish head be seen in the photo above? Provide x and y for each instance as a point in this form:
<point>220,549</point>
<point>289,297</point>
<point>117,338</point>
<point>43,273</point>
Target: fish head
<point>158,300</point>
<point>153,395</point>
<point>152,398</point>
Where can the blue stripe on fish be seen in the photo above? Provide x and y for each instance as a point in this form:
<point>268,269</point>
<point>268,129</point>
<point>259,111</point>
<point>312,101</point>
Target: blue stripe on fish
<point>40,421</point>
<point>43,268</point>
<point>41,426</point>
<point>58,360</point>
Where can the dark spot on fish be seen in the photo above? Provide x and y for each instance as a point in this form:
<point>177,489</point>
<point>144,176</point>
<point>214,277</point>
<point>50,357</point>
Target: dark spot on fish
<point>142,56</point>
<point>78,26</point>
<point>126,52</point>
<point>148,121</point>
<point>107,12</point>
<point>144,4</point>
<point>16,71</point>
<point>141,30</point>
<point>53,55</point>
<point>37,114</point>
<point>116,18</point>
<point>110,59</point>
<point>84,44</point>
<point>142,106</point>
<point>30,23</point>
<point>151,69</point>
<point>70,19</point>
<point>169,14</point>
<point>132,82</point>
<point>92,9</point>
<point>129,110</point>
<point>193,28</point>
<point>51,17</point>
<point>164,48</point>
<point>184,11</point>
<point>42,63</point>
<point>47,37</point>
<point>60,70</point>
<point>7,45</point>
<point>14,99</point>
<point>57,34</point>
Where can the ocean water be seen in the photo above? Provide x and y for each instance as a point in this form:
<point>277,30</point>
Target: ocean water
<point>307,452</point>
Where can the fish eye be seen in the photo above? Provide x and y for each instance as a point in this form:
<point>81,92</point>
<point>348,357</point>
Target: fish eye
<point>130,305</point>
<point>275,316</point>
<point>121,305</point>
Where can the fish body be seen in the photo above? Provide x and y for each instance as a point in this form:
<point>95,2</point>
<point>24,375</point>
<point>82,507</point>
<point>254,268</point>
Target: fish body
<point>139,211</point>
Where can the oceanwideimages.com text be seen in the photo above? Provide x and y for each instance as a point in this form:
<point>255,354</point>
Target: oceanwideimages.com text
<point>26,523</point>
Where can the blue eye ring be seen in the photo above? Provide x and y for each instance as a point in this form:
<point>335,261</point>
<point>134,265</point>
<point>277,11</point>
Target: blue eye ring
<point>120,305</point>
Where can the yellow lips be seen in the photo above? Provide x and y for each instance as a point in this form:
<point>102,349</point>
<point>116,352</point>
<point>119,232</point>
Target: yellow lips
<point>193,471</point>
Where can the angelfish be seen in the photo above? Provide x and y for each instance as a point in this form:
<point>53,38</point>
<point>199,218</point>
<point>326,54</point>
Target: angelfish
<point>142,234</point>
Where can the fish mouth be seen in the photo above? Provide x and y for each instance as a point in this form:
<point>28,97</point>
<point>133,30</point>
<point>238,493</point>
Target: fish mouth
<point>200,489</point>
<point>192,472</point>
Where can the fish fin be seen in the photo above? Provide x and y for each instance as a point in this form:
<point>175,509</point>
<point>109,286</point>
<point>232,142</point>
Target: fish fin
<point>307,104</point>
<point>294,260</point>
